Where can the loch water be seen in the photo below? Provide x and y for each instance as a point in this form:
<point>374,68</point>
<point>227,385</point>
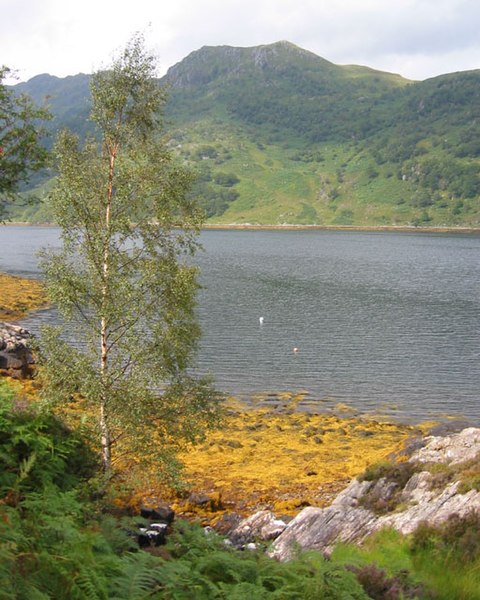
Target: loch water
<point>384,322</point>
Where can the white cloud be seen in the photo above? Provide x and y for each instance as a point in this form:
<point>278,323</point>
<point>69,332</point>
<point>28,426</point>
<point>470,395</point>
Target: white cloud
<point>416,38</point>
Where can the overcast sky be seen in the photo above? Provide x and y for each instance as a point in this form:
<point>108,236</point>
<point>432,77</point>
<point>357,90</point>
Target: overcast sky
<point>416,38</point>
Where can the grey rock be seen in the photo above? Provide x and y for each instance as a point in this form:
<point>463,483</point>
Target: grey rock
<point>451,449</point>
<point>162,513</point>
<point>271,530</point>
<point>10,361</point>
<point>346,521</point>
<point>15,354</point>
<point>263,525</point>
<point>320,528</point>
<point>417,488</point>
<point>433,511</point>
<point>352,493</point>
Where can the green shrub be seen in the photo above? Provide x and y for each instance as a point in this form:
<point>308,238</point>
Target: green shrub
<point>37,450</point>
<point>398,473</point>
<point>447,557</point>
<point>394,473</point>
<point>458,538</point>
<point>226,179</point>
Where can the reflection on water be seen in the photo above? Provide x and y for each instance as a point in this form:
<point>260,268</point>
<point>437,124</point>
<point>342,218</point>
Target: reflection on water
<point>386,321</point>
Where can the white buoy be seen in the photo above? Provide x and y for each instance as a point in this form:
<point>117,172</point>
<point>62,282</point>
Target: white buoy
<point>295,350</point>
<point>261,320</point>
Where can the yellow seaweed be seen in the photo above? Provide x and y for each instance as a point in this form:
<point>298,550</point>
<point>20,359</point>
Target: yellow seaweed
<point>19,295</point>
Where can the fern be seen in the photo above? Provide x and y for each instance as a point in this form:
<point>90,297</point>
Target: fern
<point>88,585</point>
<point>138,578</point>
<point>245,589</point>
<point>221,566</point>
<point>37,450</point>
<point>205,569</point>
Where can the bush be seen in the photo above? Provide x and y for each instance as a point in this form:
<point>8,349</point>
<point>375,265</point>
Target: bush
<point>458,537</point>
<point>447,557</point>
<point>226,179</point>
<point>379,586</point>
<point>47,549</point>
<point>37,450</point>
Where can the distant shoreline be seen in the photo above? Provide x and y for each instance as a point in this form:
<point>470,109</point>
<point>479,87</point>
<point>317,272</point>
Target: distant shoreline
<point>293,227</point>
<point>366,228</point>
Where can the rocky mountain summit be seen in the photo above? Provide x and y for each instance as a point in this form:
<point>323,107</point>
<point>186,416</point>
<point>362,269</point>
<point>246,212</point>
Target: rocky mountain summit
<point>438,480</point>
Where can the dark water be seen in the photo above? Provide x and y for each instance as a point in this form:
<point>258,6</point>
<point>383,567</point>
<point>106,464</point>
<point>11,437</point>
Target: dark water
<point>385,322</point>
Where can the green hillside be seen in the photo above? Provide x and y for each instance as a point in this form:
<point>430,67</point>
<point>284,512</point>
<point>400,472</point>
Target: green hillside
<point>279,135</point>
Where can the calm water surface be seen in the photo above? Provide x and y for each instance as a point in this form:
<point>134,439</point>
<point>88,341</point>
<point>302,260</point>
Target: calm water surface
<point>385,322</point>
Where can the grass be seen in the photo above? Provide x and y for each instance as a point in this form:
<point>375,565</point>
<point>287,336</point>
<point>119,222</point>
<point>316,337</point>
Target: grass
<point>430,559</point>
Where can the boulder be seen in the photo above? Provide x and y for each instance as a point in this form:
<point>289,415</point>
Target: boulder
<point>320,528</point>
<point>434,509</point>
<point>154,533</point>
<point>227,523</point>
<point>263,525</point>
<point>450,449</point>
<point>204,502</point>
<point>162,513</point>
<point>16,358</point>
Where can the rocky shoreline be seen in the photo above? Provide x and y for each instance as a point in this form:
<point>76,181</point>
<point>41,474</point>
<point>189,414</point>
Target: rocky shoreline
<point>437,482</point>
<point>432,479</point>
<point>444,481</point>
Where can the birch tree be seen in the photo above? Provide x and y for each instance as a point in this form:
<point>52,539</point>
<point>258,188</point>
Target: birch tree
<point>123,281</point>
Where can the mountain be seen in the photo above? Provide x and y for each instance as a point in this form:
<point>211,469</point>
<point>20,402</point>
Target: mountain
<point>279,86</point>
<point>67,98</point>
<point>279,135</point>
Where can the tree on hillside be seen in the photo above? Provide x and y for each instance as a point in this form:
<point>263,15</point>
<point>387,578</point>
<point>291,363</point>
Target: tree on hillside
<point>122,280</point>
<point>20,150</point>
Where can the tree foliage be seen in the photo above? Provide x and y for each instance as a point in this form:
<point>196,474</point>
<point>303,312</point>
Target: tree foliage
<point>20,150</point>
<point>123,279</point>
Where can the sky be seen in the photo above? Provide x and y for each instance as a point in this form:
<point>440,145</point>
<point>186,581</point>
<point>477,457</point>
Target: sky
<point>415,38</point>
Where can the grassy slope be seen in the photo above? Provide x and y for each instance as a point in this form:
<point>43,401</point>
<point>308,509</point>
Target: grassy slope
<point>309,141</point>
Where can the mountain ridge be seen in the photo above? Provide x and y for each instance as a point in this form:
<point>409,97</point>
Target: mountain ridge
<point>278,135</point>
